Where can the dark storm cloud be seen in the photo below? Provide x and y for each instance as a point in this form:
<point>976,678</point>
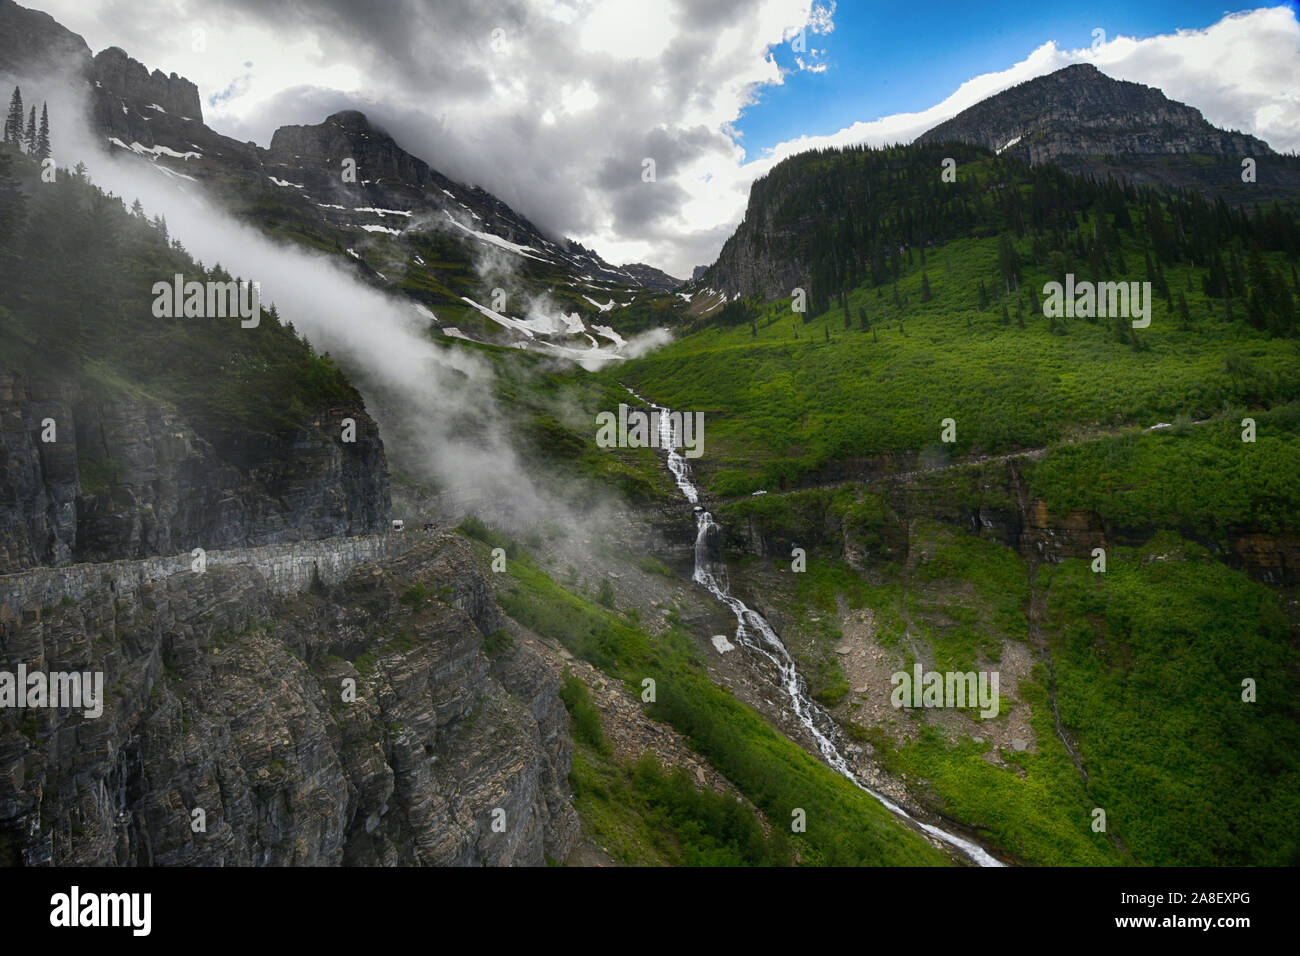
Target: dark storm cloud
<point>537,102</point>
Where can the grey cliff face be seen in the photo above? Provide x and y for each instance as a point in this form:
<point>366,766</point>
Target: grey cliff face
<point>131,478</point>
<point>225,697</point>
<point>128,79</point>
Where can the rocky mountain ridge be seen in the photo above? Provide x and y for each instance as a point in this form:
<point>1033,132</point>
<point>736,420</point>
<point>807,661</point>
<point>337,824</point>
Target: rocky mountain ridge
<point>1079,111</point>
<point>160,118</point>
<point>1077,119</point>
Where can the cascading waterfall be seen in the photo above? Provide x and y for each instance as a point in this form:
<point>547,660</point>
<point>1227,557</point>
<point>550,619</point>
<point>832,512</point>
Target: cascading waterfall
<point>756,636</point>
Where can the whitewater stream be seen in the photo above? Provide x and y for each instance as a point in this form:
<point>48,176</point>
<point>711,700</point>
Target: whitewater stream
<point>756,636</point>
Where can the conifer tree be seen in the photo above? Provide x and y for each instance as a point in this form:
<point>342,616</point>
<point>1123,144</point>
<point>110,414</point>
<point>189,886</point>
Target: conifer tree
<point>14,120</point>
<point>43,135</point>
<point>29,137</point>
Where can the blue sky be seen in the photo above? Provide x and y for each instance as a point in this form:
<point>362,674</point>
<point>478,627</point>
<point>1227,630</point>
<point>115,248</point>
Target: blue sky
<point>935,47</point>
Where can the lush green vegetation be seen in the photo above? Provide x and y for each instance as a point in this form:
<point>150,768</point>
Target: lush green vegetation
<point>1149,658</point>
<point>586,718</point>
<point>644,815</point>
<point>552,418</point>
<point>1200,477</point>
<point>929,308</point>
<point>1150,662</point>
<point>844,825</point>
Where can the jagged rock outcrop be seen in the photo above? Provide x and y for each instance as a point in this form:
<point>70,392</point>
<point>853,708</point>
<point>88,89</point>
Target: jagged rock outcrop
<point>129,79</point>
<point>765,254</point>
<point>140,109</point>
<point>224,698</point>
<point>130,478</point>
<point>348,134</point>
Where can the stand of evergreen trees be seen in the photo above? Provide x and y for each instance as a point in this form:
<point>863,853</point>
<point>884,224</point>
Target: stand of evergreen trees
<point>858,215</point>
<point>77,270</point>
<point>34,139</point>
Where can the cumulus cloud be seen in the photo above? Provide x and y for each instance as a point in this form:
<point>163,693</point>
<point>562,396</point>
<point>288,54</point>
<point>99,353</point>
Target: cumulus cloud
<point>553,104</point>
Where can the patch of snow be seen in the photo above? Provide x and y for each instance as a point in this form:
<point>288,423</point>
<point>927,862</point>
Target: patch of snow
<point>173,173</point>
<point>500,319</point>
<point>381,212</point>
<point>329,205</point>
<point>455,333</point>
<point>419,261</point>
<point>353,254</point>
<point>1009,143</point>
<point>155,106</point>
<point>154,151</point>
<point>487,237</point>
<point>394,232</point>
<point>610,334</point>
<point>572,323</point>
<point>164,151</point>
<point>721,644</point>
<point>283,182</point>
<point>604,308</point>
<point>757,493</point>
